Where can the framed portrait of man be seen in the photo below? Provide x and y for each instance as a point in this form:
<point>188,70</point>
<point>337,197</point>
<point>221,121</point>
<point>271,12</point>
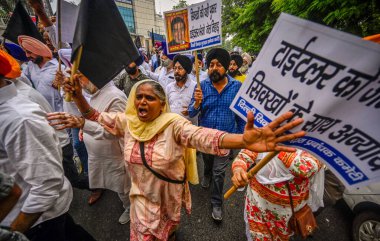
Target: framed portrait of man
<point>177,30</point>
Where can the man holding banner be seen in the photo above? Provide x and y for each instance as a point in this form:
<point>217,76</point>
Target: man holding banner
<point>212,101</point>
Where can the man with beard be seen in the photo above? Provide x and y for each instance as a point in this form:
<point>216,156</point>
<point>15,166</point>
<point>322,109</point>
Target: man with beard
<point>235,64</point>
<point>41,69</point>
<point>164,74</point>
<point>179,93</point>
<point>212,101</point>
<point>131,76</point>
<point>247,63</point>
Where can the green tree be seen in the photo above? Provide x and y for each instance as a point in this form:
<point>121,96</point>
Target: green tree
<point>181,4</point>
<point>250,22</point>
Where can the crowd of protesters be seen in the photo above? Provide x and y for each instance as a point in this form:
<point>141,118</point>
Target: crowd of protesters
<point>137,136</point>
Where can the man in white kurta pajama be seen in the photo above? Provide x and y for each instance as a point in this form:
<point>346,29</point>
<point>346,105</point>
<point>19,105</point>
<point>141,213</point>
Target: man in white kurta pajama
<point>106,168</point>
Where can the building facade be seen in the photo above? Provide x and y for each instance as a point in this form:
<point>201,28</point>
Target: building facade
<point>140,18</point>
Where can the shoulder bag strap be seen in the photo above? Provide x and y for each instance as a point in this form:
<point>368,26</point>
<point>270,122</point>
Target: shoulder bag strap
<point>290,197</point>
<point>158,175</point>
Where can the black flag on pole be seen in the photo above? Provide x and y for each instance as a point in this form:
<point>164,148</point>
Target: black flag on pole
<point>153,43</point>
<point>107,44</point>
<point>138,42</point>
<point>20,23</point>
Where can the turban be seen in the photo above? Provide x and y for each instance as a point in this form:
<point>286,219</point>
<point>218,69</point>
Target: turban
<point>16,52</point>
<point>65,56</point>
<point>247,58</point>
<point>221,55</point>
<point>157,45</point>
<point>35,46</point>
<point>165,51</point>
<point>9,68</point>
<point>374,38</point>
<point>184,61</point>
<point>191,57</point>
<point>200,56</point>
<point>238,59</point>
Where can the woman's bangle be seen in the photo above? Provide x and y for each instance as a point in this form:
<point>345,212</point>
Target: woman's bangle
<point>221,139</point>
<point>87,112</point>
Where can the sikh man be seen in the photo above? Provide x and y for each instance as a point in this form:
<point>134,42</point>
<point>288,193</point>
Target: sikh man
<point>131,76</point>
<point>41,213</point>
<point>247,62</point>
<point>233,69</point>
<point>41,70</point>
<point>164,74</point>
<point>212,102</point>
<point>106,167</point>
<point>179,93</point>
<point>70,170</point>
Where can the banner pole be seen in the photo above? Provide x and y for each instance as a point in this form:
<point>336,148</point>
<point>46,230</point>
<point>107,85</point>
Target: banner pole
<point>74,69</point>
<point>197,70</point>
<point>253,171</point>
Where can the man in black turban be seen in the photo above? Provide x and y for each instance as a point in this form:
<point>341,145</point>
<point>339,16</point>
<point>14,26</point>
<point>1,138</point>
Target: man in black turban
<point>233,69</point>
<point>184,62</point>
<point>212,102</point>
<point>179,93</point>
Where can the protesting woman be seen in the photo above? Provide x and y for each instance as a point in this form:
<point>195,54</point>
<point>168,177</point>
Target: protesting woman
<point>268,206</point>
<point>158,155</point>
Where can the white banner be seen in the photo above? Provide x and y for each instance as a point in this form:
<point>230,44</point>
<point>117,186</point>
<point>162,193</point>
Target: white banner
<point>198,26</point>
<point>329,78</point>
<point>69,18</point>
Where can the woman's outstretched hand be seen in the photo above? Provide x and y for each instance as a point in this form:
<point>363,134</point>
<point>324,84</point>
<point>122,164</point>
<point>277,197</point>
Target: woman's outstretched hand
<point>269,137</point>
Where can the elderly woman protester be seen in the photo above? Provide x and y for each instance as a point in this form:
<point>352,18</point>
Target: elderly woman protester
<point>158,154</point>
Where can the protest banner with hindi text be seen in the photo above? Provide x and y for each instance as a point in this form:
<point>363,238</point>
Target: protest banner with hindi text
<point>195,27</point>
<point>329,78</point>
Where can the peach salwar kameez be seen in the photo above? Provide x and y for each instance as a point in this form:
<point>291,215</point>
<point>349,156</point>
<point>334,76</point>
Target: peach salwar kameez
<point>155,203</point>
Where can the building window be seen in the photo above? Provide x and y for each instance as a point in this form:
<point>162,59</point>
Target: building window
<point>129,20</point>
<point>125,1</point>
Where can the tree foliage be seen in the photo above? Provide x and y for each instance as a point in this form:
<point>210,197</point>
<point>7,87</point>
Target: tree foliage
<point>249,22</point>
<point>181,4</point>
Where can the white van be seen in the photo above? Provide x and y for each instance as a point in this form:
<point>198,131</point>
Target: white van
<point>365,204</point>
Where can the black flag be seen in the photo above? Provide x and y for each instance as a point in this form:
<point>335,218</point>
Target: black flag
<point>138,42</point>
<point>107,44</point>
<point>20,23</point>
<point>153,38</point>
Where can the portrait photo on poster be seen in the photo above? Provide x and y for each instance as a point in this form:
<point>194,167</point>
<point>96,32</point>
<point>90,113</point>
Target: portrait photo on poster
<point>177,30</point>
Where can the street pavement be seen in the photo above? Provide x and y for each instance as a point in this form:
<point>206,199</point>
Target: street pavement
<point>101,219</point>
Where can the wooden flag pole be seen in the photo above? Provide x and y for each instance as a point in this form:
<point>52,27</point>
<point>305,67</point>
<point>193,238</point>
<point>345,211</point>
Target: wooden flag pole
<point>74,69</point>
<point>197,70</point>
<point>253,171</point>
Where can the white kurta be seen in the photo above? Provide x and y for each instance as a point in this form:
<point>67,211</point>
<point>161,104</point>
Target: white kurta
<point>42,79</point>
<point>106,167</point>
<point>34,96</point>
<point>180,98</point>
<point>29,152</point>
